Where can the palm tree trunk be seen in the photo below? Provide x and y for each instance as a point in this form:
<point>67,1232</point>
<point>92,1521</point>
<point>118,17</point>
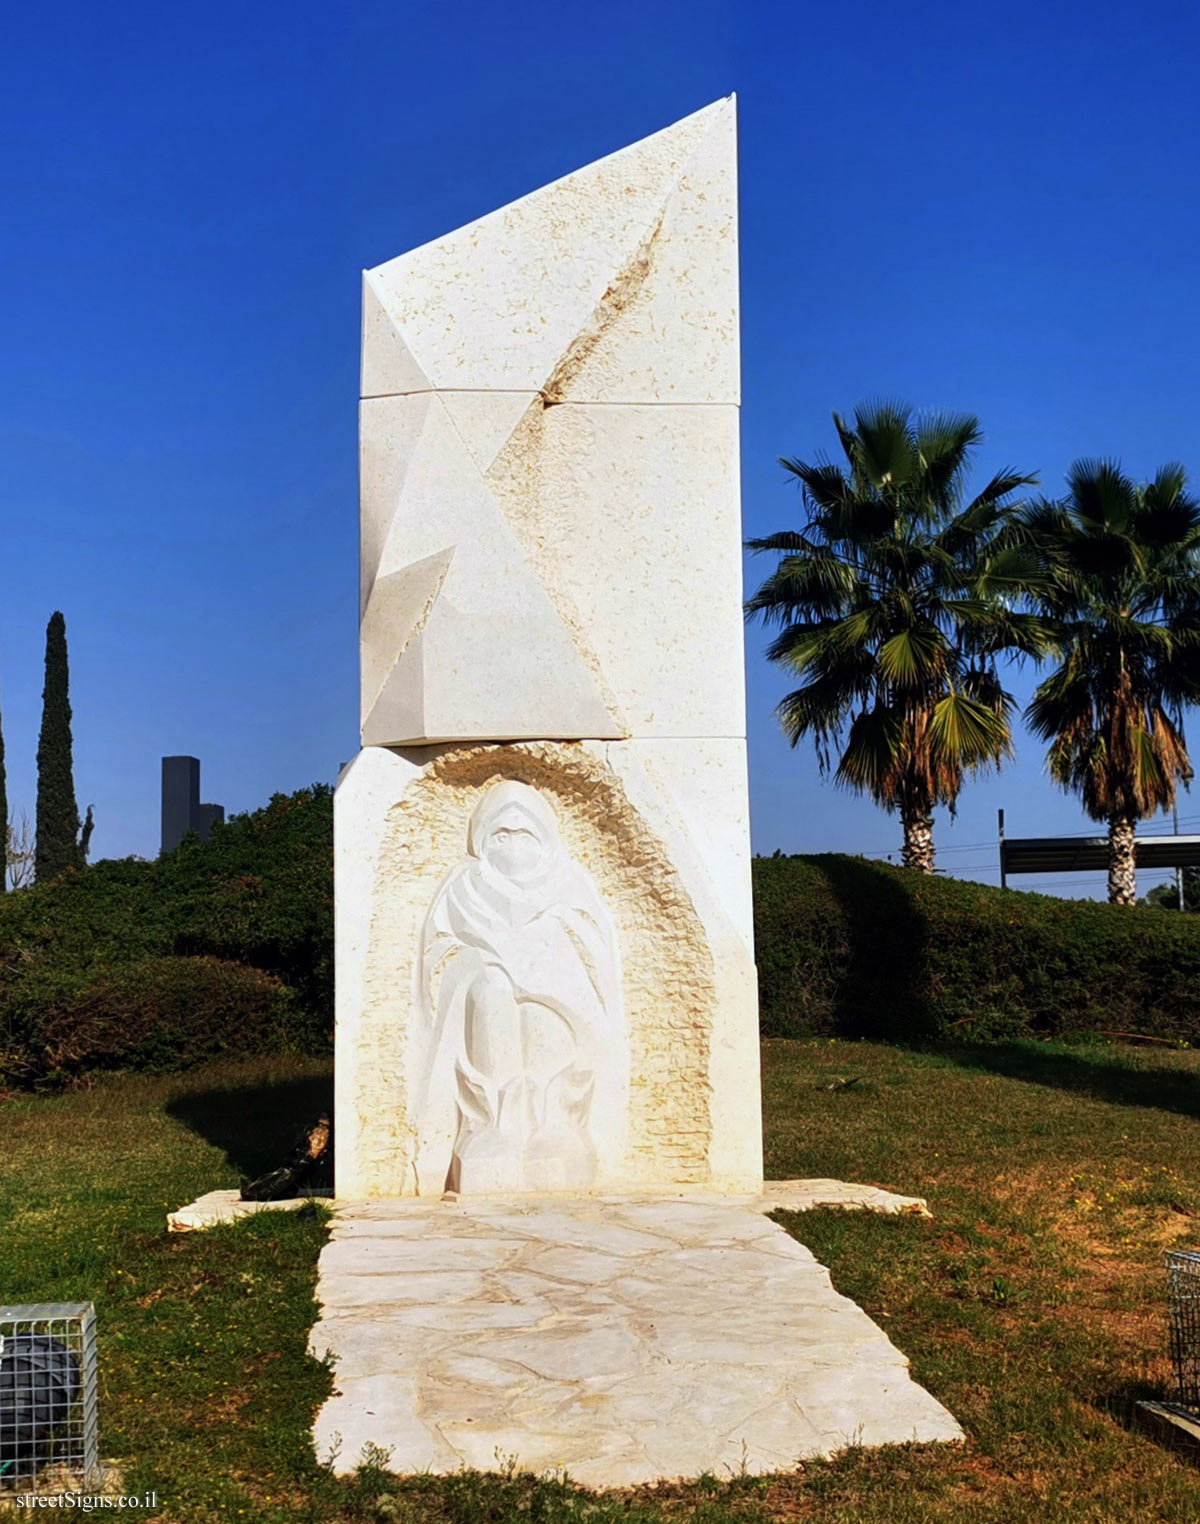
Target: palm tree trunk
<point>918,842</point>
<point>1122,861</point>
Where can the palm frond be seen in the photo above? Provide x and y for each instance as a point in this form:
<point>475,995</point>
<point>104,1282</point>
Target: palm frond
<point>846,437</point>
<point>1039,523</point>
<point>1002,485</point>
<point>790,541</point>
<point>1169,484</point>
<point>825,486</point>
<point>983,684</point>
<point>1013,633</point>
<point>1101,495</point>
<point>818,709</point>
<point>871,756</point>
<point>1010,571</point>
<point>913,658</point>
<point>883,451</point>
<point>816,586</point>
<point>968,733</point>
<point>943,443</point>
<point>1167,517</point>
<point>1061,705</point>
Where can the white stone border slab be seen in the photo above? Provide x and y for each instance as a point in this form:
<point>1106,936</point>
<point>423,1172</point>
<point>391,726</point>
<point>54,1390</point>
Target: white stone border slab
<point>813,1195</point>
<point>777,1196</point>
<point>227,1206</point>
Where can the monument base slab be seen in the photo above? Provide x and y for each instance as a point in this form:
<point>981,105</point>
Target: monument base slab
<point>620,1339</point>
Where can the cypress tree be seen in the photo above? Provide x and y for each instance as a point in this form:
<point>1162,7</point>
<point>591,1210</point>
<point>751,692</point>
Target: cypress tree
<point>57,812</point>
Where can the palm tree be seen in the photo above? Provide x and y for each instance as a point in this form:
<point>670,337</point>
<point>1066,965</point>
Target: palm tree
<point>1123,599</point>
<point>894,600</point>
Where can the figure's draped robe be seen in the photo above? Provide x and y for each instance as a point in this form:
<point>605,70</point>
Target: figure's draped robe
<point>520,999</point>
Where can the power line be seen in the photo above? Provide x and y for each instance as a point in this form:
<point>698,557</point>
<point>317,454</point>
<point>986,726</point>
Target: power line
<point>974,846</point>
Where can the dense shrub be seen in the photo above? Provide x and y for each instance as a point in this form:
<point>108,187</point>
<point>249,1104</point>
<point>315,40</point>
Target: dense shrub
<point>227,947</point>
<point>107,941</point>
<point>864,949</point>
<point>158,1014</point>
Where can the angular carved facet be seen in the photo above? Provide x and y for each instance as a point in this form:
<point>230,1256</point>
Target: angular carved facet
<point>525,299</point>
<point>520,993</point>
<point>460,637</point>
<point>552,393</point>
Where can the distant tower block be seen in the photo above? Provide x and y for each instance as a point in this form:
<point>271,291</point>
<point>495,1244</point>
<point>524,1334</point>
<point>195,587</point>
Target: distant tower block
<point>207,816</point>
<point>181,808</point>
<point>180,798</point>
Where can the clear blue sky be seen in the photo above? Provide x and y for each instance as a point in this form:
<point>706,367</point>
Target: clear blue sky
<point>979,208</point>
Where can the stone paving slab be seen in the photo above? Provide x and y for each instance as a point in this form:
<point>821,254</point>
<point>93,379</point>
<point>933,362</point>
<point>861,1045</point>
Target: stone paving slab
<point>227,1206</point>
<point>810,1195</point>
<point>625,1339</point>
<point>777,1195</point>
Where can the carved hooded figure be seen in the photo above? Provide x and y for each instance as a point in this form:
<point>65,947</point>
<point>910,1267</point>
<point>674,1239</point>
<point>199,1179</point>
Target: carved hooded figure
<point>520,1001</point>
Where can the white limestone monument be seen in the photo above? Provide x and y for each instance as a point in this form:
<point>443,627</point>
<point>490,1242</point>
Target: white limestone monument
<point>546,1001</point>
<point>545,972</point>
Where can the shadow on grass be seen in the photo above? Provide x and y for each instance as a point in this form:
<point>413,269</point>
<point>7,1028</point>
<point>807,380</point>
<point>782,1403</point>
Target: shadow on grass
<point>1120,1402</point>
<point>1092,1073</point>
<point>880,991</point>
<point>880,978</point>
<point>256,1124</point>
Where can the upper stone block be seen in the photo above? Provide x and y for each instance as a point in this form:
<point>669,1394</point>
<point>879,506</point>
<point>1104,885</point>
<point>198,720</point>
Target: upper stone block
<point>617,283</point>
<point>551,535</point>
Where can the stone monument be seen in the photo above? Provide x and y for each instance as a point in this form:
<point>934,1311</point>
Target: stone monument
<point>550,1242</point>
<point>545,973</point>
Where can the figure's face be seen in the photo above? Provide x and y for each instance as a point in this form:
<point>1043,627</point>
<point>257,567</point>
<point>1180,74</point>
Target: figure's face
<point>513,850</point>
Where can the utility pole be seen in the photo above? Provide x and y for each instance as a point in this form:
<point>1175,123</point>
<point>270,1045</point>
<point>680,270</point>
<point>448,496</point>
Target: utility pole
<point>1000,824</point>
<point>1178,871</point>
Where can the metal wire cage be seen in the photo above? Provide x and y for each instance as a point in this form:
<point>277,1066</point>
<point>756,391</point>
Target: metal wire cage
<point>1183,1312</point>
<point>47,1394</point>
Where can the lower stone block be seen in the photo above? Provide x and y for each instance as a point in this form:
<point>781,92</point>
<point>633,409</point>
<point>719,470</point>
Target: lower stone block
<point>544,973</point>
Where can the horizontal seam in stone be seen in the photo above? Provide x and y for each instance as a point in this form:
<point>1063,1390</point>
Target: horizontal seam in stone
<point>461,741</point>
<point>507,391</point>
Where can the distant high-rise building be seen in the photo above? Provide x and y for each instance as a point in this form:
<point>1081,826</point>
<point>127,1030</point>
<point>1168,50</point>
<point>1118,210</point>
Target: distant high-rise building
<point>208,816</point>
<point>181,808</point>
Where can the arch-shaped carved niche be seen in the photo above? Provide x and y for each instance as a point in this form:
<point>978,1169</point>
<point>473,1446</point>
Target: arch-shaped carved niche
<point>667,969</point>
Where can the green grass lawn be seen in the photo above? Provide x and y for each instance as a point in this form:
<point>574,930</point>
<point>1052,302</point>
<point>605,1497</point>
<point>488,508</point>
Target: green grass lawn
<point>1032,1304</point>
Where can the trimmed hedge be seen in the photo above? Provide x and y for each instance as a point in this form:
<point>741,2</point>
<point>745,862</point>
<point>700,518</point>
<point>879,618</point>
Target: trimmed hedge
<point>864,949</point>
<point>240,926</point>
<point>227,947</point>
<point>157,1014</point>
